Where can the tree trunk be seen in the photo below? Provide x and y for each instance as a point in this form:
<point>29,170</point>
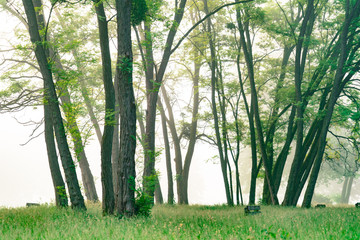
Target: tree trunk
<point>193,128</point>
<point>250,115</point>
<point>158,194</point>
<point>273,124</point>
<point>61,199</point>
<point>71,124</point>
<point>108,199</point>
<point>116,141</point>
<point>177,147</point>
<point>126,171</point>
<point>76,197</point>
<point>344,189</point>
<point>348,190</point>
<point>167,154</point>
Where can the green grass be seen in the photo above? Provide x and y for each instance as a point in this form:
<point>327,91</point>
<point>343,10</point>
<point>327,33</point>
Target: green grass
<point>182,222</point>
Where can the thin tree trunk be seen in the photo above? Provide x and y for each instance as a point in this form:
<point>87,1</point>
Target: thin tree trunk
<point>250,114</point>
<point>167,154</point>
<point>71,124</point>
<point>61,199</point>
<point>348,190</point>
<point>193,128</point>
<point>344,189</point>
<point>116,141</point>
<point>247,49</point>
<point>108,199</point>
<point>158,194</point>
<point>273,122</point>
<point>177,147</point>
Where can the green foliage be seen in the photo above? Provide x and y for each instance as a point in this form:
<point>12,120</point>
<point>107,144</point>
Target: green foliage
<point>143,203</point>
<point>139,10</point>
<point>181,222</point>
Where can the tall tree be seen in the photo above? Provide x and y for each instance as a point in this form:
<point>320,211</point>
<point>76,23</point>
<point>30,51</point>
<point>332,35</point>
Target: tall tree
<point>124,68</point>
<point>107,139</point>
<point>152,91</point>
<point>70,112</point>
<point>76,197</point>
<point>213,67</point>
<point>300,60</point>
<point>58,182</point>
<point>246,44</point>
<point>347,65</point>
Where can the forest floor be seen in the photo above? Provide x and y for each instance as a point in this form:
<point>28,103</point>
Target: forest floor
<point>182,222</point>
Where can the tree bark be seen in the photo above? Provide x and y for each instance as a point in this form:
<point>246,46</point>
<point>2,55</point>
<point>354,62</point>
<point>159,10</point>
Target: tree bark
<point>126,171</point>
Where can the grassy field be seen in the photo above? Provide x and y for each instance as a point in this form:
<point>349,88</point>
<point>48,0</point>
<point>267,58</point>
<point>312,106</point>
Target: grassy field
<point>182,222</point>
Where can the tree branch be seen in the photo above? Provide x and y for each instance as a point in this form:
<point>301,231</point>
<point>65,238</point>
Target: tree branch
<point>203,19</point>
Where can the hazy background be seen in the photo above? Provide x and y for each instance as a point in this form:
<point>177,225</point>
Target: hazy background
<point>25,175</point>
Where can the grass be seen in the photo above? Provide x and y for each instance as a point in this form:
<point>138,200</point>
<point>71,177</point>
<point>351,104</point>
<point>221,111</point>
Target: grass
<point>181,222</point>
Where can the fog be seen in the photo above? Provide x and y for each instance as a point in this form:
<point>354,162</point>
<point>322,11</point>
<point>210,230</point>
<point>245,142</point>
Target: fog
<point>25,174</point>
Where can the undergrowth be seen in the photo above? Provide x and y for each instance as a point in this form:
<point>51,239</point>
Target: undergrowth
<point>181,222</point>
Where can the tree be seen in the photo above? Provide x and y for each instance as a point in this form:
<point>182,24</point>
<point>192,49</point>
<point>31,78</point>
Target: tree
<point>67,162</point>
<point>213,67</point>
<point>70,113</point>
<point>124,67</point>
<point>152,90</point>
<point>247,50</point>
<point>107,139</point>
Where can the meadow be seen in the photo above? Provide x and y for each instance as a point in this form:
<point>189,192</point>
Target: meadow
<point>182,222</point>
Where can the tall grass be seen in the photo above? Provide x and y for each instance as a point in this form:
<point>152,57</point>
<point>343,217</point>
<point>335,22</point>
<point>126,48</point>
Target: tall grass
<point>181,222</point>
